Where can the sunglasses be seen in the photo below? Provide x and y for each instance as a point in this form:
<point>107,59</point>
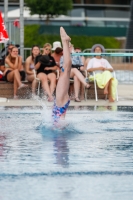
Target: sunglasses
<point>15,51</point>
<point>48,49</point>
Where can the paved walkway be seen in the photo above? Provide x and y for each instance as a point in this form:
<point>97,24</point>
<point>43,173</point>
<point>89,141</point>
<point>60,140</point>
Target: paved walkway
<point>125,99</point>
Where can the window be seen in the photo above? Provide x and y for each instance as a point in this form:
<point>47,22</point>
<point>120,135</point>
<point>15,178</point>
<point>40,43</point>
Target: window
<point>119,2</point>
<point>117,13</point>
<point>79,12</point>
<point>94,12</point>
<point>78,1</point>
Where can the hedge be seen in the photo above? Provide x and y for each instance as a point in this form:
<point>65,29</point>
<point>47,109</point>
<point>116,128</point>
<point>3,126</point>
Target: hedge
<point>33,37</point>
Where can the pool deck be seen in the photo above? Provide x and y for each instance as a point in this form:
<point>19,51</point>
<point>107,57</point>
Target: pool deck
<point>125,93</point>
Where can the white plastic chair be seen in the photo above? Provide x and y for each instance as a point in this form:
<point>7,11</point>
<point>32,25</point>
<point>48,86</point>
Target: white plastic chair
<point>39,81</point>
<point>95,86</point>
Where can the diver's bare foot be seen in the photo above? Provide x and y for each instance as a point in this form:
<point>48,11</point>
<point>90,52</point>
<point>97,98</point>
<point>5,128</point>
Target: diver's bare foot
<point>64,36</point>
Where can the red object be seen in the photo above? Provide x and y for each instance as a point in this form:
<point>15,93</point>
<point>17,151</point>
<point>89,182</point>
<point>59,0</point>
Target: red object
<point>3,33</point>
<point>16,23</point>
<point>1,77</point>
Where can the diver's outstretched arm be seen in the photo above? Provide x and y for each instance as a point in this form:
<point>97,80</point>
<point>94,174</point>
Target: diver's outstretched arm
<point>64,79</point>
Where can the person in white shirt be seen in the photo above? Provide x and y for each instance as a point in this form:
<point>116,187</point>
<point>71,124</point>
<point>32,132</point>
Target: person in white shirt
<point>103,73</point>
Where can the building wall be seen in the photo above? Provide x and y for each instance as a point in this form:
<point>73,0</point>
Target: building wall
<point>119,2</point>
<point>89,13</point>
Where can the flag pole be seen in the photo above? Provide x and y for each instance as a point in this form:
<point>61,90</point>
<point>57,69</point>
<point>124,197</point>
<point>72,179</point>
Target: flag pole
<point>5,19</point>
<point>21,28</point>
<point>6,13</point>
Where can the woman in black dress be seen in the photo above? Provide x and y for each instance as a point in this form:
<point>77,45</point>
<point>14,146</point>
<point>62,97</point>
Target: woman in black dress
<point>46,71</point>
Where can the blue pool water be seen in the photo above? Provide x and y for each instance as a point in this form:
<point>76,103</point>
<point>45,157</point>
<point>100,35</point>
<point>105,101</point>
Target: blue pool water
<point>90,158</point>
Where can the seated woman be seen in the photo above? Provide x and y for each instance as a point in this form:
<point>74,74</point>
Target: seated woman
<point>78,77</point>
<point>14,70</point>
<point>46,72</point>
<point>58,52</point>
<point>78,50</point>
<point>30,66</point>
<point>103,71</point>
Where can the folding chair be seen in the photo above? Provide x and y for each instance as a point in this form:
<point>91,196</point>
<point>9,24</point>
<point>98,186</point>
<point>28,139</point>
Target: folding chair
<point>95,86</point>
<point>39,81</point>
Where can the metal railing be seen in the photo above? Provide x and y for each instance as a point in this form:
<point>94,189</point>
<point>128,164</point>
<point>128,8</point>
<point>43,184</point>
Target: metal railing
<point>116,59</point>
<point>123,66</point>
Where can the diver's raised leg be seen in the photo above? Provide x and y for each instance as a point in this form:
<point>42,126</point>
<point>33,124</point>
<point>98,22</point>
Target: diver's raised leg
<point>64,80</point>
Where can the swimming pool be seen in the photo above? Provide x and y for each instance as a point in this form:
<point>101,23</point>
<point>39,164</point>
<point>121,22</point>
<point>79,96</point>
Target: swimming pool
<point>91,158</point>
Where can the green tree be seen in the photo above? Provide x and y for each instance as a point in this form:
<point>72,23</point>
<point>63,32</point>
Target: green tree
<point>50,8</point>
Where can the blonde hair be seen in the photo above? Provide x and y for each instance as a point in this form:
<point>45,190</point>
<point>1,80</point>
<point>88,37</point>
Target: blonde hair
<point>46,45</point>
<point>9,55</point>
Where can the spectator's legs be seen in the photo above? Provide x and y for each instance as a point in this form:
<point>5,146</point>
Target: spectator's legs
<point>31,78</point>
<point>15,85</point>
<point>14,74</point>
<point>76,72</point>
<point>76,88</point>
<point>52,79</point>
<point>109,91</point>
<point>44,80</point>
<point>106,89</point>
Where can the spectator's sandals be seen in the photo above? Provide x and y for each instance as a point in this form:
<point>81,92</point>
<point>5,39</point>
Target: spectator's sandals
<point>87,86</point>
<point>22,86</point>
<point>15,97</point>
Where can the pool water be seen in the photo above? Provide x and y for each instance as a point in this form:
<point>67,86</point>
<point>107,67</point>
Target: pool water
<point>91,157</point>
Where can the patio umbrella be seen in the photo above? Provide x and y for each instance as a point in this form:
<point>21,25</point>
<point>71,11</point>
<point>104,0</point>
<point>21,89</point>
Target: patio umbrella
<point>3,33</point>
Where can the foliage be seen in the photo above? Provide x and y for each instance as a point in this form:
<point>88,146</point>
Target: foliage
<point>50,8</point>
<point>33,37</point>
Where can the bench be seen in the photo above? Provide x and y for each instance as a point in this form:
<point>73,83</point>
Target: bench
<point>6,90</point>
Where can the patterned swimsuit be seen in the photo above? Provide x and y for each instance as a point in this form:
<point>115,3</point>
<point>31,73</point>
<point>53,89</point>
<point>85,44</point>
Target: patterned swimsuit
<point>57,112</point>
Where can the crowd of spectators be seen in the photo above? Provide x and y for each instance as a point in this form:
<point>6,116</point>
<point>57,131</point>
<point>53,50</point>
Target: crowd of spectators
<point>43,65</point>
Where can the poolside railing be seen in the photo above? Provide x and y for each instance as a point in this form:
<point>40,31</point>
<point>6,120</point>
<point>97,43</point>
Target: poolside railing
<point>123,66</point>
